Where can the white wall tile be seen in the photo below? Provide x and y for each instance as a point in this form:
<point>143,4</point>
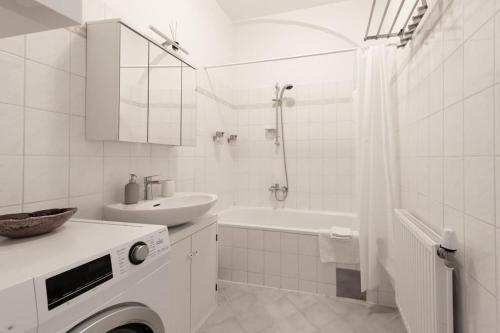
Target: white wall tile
<point>476,13</point>
<point>12,83</point>
<point>480,252</point>
<point>79,146</point>
<point>454,78</point>
<point>454,182</point>
<point>479,187</point>
<point>11,185</point>
<point>50,48</point>
<point>479,61</point>
<point>14,45</point>
<point>78,50</point>
<point>77,95</point>
<point>479,124</point>
<point>481,308</point>
<point>89,206</point>
<point>45,178</point>
<point>11,135</point>
<point>47,88</point>
<point>85,175</point>
<point>454,130</point>
<point>47,133</point>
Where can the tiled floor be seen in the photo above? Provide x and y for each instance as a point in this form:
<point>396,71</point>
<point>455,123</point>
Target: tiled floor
<point>252,309</point>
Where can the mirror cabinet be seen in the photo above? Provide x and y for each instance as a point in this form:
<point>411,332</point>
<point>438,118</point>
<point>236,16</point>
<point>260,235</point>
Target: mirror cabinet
<point>137,91</point>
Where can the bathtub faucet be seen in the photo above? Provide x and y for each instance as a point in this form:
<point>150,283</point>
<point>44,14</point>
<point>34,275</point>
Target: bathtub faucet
<point>277,188</point>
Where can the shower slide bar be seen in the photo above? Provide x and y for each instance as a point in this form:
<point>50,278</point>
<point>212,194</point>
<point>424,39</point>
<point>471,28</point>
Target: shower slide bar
<point>283,58</point>
<point>405,34</point>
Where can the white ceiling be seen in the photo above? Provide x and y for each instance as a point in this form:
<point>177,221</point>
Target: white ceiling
<point>246,9</point>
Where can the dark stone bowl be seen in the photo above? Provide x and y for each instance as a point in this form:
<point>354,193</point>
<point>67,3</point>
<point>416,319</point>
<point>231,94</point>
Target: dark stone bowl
<point>36,223</point>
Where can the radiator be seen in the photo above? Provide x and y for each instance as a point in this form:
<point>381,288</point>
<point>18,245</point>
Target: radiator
<point>423,283</point>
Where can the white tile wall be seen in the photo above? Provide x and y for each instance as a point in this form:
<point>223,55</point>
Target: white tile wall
<point>320,142</point>
<point>45,159</point>
<point>463,193</point>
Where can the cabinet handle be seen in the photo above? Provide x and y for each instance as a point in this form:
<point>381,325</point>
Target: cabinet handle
<point>193,254</point>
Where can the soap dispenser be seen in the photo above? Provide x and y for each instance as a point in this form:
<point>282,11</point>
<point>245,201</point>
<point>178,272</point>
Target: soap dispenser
<point>132,191</point>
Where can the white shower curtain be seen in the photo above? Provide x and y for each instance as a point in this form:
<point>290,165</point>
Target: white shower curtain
<point>378,172</point>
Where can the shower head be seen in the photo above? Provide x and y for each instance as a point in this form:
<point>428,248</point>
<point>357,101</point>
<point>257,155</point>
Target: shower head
<point>285,87</point>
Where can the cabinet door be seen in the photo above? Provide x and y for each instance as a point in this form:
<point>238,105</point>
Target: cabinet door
<point>179,284</point>
<point>133,121</point>
<point>164,97</point>
<point>203,275</point>
<point>189,83</point>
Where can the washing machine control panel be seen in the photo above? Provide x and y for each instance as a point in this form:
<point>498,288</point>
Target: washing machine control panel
<point>132,256</point>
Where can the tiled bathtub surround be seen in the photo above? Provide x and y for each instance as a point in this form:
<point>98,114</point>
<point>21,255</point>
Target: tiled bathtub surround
<point>282,260</point>
<point>319,125</point>
<point>449,133</point>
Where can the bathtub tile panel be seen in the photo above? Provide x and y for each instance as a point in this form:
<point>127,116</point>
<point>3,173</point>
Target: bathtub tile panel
<point>308,286</point>
<point>225,274</point>
<point>289,265</point>
<point>289,283</point>
<point>240,237</point>
<point>272,241</point>
<point>272,280</point>
<point>225,257</point>
<point>239,276</point>
<point>289,243</point>
<point>255,239</point>
<point>226,236</point>
<point>327,273</point>
<point>308,268</point>
<point>239,259</point>
<point>272,263</point>
<point>308,245</point>
<point>255,261</point>
<point>255,278</point>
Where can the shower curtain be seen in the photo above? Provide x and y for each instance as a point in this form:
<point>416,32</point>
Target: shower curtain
<point>378,174</point>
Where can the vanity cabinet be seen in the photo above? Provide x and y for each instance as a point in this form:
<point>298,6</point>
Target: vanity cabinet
<point>137,91</point>
<point>192,279</point>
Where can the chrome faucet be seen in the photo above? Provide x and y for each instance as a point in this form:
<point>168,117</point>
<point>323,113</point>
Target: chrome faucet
<point>148,187</point>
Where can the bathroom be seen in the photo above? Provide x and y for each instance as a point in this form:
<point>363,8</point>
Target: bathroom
<point>317,143</point>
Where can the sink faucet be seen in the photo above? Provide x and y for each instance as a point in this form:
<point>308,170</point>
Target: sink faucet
<point>148,187</point>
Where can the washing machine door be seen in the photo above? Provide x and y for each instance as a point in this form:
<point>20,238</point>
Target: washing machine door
<point>122,319</point>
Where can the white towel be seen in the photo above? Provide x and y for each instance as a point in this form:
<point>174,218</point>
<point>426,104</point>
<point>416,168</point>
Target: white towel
<point>339,245</point>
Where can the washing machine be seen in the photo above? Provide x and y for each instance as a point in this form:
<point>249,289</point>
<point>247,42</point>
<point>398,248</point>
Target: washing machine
<point>86,277</point>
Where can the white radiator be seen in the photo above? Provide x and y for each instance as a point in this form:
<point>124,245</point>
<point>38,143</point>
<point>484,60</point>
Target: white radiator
<point>424,285</point>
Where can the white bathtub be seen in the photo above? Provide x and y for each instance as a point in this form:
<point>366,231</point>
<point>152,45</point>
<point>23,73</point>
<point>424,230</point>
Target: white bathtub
<point>289,220</point>
<point>278,248</point>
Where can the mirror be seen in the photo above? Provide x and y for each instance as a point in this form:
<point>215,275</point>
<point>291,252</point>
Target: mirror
<point>188,124</point>
<point>133,124</point>
<point>164,97</point>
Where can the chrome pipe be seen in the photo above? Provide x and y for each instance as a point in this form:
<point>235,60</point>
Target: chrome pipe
<point>411,14</point>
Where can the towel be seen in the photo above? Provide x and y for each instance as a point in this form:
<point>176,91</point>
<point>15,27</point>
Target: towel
<point>338,245</point>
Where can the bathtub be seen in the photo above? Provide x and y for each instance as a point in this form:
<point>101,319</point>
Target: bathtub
<point>289,220</point>
<point>278,248</point>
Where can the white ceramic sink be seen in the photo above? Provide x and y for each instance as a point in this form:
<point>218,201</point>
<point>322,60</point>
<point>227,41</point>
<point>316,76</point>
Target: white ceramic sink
<point>179,209</point>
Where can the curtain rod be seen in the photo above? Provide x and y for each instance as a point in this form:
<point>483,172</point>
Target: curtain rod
<point>282,58</point>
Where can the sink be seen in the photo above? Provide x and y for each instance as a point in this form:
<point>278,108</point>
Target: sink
<point>183,207</point>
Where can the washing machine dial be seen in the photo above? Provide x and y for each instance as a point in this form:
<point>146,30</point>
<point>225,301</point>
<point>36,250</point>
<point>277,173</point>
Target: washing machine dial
<point>138,253</point>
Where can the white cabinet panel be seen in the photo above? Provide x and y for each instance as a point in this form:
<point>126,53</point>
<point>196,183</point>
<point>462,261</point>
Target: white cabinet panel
<point>179,285</point>
<point>203,275</point>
